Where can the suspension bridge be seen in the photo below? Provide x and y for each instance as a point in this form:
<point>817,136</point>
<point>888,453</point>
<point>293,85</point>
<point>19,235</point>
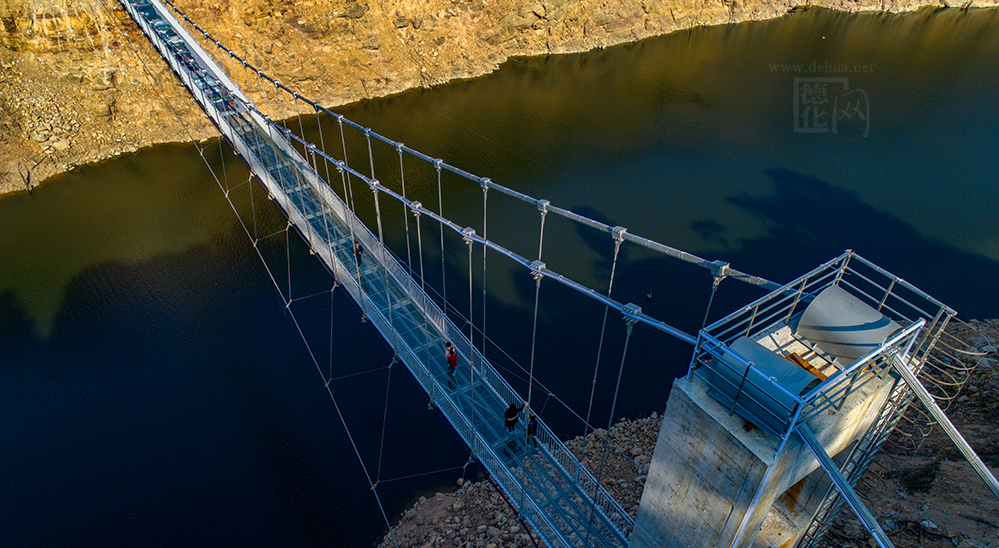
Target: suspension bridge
<point>564,502</point>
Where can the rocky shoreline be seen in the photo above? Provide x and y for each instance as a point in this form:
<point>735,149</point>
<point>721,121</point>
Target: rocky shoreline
<point>911,492</point>
<point>78,82</point>
<point>477,514</point>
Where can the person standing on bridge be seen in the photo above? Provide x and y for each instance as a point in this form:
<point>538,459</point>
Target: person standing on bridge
<point>358,251</point>
<point>452,364</point>
<point>532,432</point>
<point>511,416</point>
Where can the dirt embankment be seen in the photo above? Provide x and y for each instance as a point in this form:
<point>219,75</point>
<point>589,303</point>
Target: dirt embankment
<point>921,490</point>
<point>79,83</point>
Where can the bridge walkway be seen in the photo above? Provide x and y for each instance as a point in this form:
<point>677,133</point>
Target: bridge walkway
<point>550,488</point>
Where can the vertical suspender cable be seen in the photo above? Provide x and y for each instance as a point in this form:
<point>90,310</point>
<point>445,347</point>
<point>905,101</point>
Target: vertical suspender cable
<point>225,174</point>
<point>440,210</point>
<point>388,292</point>
<point>301,127</point>
<point>371,156</point>
<point>326,218</point>
<point>468,233</point>
<point>263,92</point>
<point>332,310</point>
<point>381,446</point>
<point>618,234</point>
<point>485,252</point>
<point>388,298</point>
<point>284,119</point>
<point>423,287</point>
<point>348,193</point>
<point>534,332</point>
<point>543,207</point>
<point>630,323</point>
<point>405,218</point>
<point>353,206</point>
<point>287,252</point>
<point>530,383</point>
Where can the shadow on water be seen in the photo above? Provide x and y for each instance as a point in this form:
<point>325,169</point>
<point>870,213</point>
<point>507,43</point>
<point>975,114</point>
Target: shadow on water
<point>812,221</point>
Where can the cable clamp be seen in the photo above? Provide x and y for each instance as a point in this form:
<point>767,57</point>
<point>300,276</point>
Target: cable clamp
<point>536,270</point>
<point>617,233</point>
<point>543,207</point>
<point>467,234</point>
<point>631,312</point>
<point>415,206</point>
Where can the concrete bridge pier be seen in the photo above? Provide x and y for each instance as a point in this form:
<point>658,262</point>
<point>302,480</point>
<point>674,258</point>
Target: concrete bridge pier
<point>714,481</point>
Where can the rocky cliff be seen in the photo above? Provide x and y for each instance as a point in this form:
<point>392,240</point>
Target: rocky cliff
<point>79,83</point>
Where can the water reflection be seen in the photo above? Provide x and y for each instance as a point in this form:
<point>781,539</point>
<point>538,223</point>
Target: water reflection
<point>154,202</point>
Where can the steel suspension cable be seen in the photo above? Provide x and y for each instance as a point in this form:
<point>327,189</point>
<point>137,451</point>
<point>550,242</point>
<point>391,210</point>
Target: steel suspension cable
<point>618,238</point>
<point>326,206</point>
<point>388,298</point>
<point>536,273</point>
<point>423,284</point>
<point>263,93</point>
<point>283,118</point>
<point>629,323</point>
<point>287,250</point>
<point>371,155</point>
<point>440,210</point>
<point>485,252</point>
<point>534,332</point>
<point>332,310</point>
<point>381,445</point>
<point>348,191</point>
<point>468,232</point>
<point>225,175</point>
<point>405,217</point>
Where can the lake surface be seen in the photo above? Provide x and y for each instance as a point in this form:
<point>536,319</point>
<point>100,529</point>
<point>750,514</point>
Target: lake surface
<point>155,392</point>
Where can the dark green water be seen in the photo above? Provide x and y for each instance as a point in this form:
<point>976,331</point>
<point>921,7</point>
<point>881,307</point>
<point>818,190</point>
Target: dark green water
<point>155,393</point>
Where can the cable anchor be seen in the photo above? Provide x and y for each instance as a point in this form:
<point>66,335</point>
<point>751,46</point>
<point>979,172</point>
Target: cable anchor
<point>719,271</point>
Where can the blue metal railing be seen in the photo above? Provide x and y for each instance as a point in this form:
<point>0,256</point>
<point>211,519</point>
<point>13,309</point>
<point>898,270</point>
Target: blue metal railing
<point>761,398</point>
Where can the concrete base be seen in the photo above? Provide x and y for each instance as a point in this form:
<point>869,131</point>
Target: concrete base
<point>712,483</point>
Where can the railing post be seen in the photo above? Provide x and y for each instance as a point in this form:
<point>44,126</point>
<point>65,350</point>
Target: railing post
<point>738,392</point>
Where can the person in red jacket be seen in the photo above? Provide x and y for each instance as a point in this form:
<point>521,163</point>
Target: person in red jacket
<point>452,364</point>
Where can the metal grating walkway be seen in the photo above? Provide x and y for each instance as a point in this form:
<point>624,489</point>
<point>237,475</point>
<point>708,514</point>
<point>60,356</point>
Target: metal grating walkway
<point>551,489</point>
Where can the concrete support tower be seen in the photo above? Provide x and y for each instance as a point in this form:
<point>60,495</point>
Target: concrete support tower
<point>777,396</point>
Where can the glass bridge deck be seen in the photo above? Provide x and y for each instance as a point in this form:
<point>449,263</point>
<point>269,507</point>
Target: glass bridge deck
<point>550,488</point>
